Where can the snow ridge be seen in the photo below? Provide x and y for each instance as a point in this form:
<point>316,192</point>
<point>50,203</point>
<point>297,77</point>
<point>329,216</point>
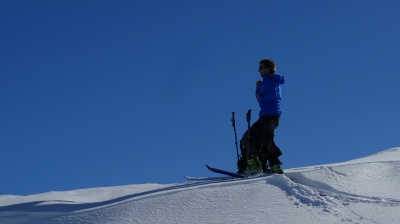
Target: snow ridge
<point>360,191</point>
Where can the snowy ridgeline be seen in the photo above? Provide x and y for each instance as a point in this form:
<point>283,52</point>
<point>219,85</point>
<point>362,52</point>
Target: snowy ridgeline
<point>358,191</point>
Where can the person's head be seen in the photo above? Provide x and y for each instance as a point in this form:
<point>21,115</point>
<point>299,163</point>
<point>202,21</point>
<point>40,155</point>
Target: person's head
<point>267,67</point>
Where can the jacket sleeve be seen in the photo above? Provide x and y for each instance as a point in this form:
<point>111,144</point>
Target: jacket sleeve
<point>258,93</point>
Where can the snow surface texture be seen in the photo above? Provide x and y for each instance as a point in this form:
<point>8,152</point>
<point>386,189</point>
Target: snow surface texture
<point>364,190</point>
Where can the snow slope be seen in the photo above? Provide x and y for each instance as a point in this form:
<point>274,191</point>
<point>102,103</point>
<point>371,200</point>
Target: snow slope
<point>364,190</point>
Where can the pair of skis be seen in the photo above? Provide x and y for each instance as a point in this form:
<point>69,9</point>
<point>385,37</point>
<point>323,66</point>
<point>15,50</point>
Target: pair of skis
<point>228,175</point>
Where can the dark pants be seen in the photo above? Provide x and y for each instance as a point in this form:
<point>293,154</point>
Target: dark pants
<point>261,142</point>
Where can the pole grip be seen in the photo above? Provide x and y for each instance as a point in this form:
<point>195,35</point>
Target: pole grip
<point>248,116</point>
<point>233,120</point>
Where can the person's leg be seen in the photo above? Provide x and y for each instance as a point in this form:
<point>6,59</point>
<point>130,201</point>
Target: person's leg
<point>270,151</point>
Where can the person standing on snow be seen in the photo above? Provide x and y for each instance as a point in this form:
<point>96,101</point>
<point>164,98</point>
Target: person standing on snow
<point>261,144</point>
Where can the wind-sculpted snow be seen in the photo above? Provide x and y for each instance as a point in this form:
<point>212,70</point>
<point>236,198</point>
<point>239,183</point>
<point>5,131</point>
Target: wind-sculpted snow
<point>359,191</point>
<point>302,195</point>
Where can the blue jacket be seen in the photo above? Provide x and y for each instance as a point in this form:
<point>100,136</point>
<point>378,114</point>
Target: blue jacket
<point>269,94</point>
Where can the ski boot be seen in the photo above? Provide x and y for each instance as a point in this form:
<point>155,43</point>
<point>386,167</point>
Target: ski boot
<point>253,166</point>
<point>241,165</point>
<point>277,169</point>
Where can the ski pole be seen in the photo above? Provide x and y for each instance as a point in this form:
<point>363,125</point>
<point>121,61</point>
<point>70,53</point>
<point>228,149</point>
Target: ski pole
<point>234,130</point>
<point>248,118</point>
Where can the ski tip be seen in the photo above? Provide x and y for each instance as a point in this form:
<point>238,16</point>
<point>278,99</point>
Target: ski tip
<point>193,178</point>
<point>187,177</point>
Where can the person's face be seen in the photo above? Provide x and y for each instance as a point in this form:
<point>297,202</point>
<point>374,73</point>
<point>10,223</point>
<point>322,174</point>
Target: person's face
<point>264,70</point>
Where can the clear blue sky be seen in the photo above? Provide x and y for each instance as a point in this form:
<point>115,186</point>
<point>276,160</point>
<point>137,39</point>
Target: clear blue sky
<point>106,93</point>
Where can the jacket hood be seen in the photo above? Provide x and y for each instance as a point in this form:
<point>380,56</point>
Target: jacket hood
<point>276,78</point>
